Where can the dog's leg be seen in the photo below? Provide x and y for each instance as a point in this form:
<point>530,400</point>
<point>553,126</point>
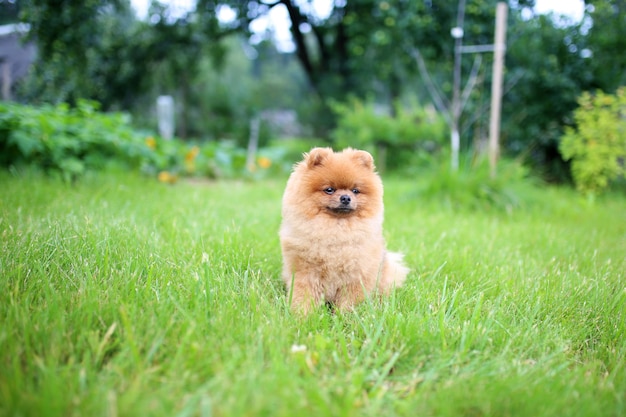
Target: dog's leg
<point>349,295</point>
<point>305,297</point>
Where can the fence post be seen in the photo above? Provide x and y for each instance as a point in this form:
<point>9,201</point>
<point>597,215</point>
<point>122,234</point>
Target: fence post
<point>165,116</point>
<point>496,86</point>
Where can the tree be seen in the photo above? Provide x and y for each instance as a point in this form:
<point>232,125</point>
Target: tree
<point>552,65</point>
<point>606,42</point>
<point>98,50</point>
<point>79,51</point>
<point>549,74</point>
<point>9,11</point>
<point>361,48</point>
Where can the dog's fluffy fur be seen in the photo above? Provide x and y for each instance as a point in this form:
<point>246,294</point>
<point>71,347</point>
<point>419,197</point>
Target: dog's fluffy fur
<point>331,233</point>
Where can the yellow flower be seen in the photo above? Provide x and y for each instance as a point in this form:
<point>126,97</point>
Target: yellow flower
<point>151,142</point>
<point>191,154</point>
<point>264,162</point>
<point>165,176</point>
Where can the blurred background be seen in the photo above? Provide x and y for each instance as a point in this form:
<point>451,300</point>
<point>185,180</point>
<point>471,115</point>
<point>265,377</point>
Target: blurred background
<point>289,74</point>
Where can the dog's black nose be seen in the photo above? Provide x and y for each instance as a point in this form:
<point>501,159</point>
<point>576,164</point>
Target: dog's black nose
<point>345,199</point>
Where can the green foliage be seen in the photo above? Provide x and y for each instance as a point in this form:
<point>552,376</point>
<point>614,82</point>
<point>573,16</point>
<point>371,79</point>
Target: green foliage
<point>597,145</point>
<point>9,12</point>
<point>546,85</point>
<point>472,186</point>
<point>408,137</point>
<point>109,56</point>
<point>98,50</point>
<point>224,98</point>
<point>85,51</point>
<point>607,40</point>
<point>68,141</point>
<point>292,149</point>
<point>71,141</point>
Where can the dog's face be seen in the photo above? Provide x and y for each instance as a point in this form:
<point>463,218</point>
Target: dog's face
<point>341,201</point>
<point>342,184</point>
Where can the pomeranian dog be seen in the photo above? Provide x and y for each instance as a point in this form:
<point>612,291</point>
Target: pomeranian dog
<point>332,232</point>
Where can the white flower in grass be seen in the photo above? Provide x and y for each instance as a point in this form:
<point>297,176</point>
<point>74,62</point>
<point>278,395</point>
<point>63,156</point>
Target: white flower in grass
<point>298,348</point>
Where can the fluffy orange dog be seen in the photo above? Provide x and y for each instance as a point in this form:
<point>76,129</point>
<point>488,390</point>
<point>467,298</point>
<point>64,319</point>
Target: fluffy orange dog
<point>332,232</point>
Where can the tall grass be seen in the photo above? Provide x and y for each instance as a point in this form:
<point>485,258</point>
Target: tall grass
<point>122,297</point>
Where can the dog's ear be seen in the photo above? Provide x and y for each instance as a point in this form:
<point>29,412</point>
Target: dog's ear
<point>317,156</point>
<point>365,158</point>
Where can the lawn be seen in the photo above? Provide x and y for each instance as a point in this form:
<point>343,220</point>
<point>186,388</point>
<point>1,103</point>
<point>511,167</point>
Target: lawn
<point>122,296</point>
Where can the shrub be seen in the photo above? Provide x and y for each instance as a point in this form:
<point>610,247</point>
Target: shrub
<point>597,145</point>
<point>473,187</point>
<point>71,141</point>
<point>406,138</point>
<point>67,140</point>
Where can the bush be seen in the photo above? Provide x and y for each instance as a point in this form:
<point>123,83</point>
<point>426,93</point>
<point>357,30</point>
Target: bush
<point>407,138</point>
<point>597,145</point>
<point>71,141</point>
<point>473,187</point>
<point>67,140</point>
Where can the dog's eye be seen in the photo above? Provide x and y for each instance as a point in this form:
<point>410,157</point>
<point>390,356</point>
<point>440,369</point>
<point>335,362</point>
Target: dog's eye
<point>329,190</point>
<point>355,191</point>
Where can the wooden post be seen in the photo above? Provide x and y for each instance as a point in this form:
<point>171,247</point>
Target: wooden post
<point>496,86</point>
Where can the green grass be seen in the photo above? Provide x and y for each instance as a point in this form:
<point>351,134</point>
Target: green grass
<point>120,296</point>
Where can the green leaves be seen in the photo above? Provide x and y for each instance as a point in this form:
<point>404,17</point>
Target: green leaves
<point>68,141</point>
<point>597,146</point>
<point>72,141</point>
<point>414,128</point>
